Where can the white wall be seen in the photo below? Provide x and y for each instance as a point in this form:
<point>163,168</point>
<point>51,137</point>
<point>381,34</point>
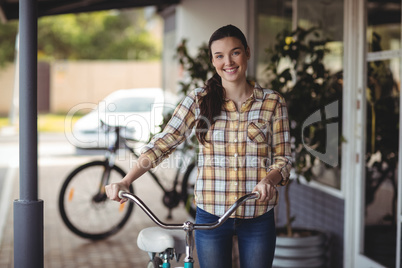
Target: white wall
<point>196,20</point>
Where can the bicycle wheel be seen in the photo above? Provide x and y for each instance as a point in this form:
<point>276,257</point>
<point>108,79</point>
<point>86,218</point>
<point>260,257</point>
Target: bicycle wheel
<point>84,206</point>
<point>187,189</point>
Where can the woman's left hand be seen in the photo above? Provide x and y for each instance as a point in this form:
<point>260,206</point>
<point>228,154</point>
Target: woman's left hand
<point>266,187</point>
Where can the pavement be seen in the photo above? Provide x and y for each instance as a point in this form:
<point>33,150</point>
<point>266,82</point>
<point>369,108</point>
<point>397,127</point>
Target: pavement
<point>61,247</point>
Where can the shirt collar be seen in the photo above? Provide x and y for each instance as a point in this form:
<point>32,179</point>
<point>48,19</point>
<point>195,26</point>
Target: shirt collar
<point>258,92</point>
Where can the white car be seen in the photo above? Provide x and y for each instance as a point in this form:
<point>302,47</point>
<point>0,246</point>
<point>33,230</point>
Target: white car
<point>138,111</point>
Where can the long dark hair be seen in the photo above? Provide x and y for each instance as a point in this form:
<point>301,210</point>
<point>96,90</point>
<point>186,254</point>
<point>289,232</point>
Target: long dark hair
<point>211,103</point>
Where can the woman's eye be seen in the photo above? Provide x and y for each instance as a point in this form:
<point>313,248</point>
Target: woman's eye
<point>236,53</point>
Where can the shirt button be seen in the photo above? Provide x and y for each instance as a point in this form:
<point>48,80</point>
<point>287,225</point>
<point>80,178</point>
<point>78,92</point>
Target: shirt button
<point>235,198</point>
<point>235,169</point>
<point>235,183</point>
<point>235,155</point>
<point>235,140</point>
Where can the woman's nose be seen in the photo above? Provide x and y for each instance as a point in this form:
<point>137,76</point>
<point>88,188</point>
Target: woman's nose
<point>228,61</point>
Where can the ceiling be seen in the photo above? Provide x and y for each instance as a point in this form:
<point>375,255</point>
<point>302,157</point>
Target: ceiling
<point>9,9</point>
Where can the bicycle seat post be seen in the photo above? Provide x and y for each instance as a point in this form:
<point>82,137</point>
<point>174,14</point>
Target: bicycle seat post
<point>189,228</point>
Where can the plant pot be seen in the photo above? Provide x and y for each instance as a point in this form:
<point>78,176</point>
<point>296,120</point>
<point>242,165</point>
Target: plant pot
<point>307,248</point>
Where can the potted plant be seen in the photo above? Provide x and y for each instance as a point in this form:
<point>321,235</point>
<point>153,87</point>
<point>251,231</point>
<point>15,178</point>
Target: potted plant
<point>296,69</point>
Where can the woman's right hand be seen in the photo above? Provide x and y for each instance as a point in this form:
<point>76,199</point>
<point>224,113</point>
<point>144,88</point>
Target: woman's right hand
<point>142,166</point>
<point>112,191</point>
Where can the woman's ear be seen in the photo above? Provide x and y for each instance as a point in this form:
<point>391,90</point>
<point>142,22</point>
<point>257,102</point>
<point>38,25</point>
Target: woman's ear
<point>248,54</point>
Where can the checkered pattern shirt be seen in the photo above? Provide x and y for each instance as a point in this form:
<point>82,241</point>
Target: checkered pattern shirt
<point>242,147</point>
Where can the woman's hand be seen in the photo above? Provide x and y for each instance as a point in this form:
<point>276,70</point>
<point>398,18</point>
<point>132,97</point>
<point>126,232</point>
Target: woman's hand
<point>266,187</point>
<point>112,191</point>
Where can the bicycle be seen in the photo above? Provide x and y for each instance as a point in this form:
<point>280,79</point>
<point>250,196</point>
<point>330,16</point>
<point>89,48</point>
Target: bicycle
<point>85,208</point>
<point>156,241</point>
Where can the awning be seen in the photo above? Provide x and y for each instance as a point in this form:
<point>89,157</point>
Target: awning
<point>9,9</point>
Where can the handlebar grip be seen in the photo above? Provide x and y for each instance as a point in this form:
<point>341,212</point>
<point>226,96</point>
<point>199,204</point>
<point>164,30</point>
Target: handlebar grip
<point>120,194</point>
<point>258,195</point>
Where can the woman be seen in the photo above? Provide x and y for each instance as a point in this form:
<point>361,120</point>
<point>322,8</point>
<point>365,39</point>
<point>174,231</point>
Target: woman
<point>243,131</point>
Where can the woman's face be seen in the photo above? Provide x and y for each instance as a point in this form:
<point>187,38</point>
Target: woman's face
<point>229,57</point>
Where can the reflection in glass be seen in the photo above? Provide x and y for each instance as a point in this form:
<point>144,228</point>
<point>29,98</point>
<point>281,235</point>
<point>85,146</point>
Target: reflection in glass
<point>274,18</point>
<point>325,14</point>
<point>382,133</point>
<point>384,25</point>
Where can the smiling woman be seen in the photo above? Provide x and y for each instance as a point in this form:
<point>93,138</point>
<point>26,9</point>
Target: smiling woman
<point>230,61</point>
<point>243,132</point>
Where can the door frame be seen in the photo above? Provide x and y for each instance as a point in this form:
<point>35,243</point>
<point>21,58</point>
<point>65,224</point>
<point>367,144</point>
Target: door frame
<point>353,161</point>
<point>353,130</point>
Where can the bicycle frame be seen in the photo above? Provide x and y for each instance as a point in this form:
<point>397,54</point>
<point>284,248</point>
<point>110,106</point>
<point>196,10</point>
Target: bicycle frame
<point>106,171</point>
<point>188,226</point>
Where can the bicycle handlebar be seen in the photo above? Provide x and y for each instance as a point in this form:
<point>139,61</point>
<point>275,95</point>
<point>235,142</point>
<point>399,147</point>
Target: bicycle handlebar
<point>188,225</point>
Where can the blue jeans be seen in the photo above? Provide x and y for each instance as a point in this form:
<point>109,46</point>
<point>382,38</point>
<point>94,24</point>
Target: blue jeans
<point>256,238</point>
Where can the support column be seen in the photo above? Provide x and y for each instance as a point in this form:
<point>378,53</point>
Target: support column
<point>28,210</point>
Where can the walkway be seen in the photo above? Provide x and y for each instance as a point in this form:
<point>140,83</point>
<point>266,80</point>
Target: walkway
<point>61,247</point>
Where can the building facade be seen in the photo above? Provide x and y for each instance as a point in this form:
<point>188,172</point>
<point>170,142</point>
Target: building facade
<point>356,200</point>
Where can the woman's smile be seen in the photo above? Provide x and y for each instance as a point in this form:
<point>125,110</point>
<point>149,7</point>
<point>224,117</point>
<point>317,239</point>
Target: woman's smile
<point>231,70</point>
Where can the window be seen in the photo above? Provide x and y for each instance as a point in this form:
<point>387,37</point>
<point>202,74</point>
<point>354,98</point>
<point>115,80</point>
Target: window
<point>325,114</point>
<point>382,130</point>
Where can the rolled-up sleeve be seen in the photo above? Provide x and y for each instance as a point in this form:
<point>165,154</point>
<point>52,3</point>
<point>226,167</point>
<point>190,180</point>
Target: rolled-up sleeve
<point>282,157</point>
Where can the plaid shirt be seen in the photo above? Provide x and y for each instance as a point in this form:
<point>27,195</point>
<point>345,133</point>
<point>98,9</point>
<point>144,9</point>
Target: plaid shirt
<point>242,147</point>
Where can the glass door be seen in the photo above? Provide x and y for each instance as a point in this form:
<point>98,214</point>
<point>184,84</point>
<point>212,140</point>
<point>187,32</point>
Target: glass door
<point>380,218</point>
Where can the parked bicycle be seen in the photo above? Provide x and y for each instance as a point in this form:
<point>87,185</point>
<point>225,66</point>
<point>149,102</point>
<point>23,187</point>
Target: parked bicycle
<point>87,212</point>
<point>165,245</point>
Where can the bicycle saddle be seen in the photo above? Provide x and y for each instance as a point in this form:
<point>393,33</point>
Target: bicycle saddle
<point>156,239</point>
